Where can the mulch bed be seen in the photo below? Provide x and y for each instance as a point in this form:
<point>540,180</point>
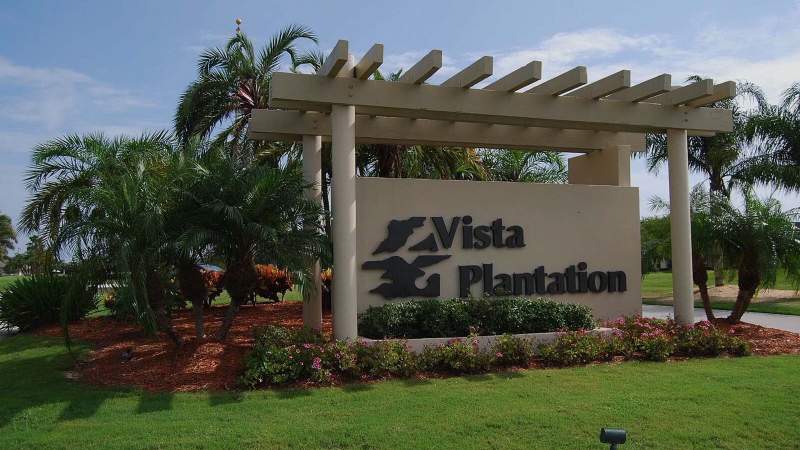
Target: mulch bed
<point>157,366</point>
<point>214,366</point>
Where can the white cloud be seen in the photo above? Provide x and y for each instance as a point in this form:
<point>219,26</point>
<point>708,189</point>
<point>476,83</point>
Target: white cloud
<point>48,96</point>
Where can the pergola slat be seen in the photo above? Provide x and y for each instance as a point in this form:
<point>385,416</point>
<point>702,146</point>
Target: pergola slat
<point>370,62</point>
<point>471,75</point>
<point>336,60</point>
<point>604,86</point>
<point>423,69</point>
<point>722,91</point>
<point>685,94</point>
<point>644,90</point>
<point>293,125</point>
<point>518,79</point>
<point>386,98</point>
<point>562,83</point>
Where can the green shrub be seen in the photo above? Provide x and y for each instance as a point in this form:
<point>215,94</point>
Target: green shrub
<point>35,301</point>
<point>385,358</point>
<point>576,347</point>
<point>461,317</point>
<point>456,356</point>
<point>511,351</point>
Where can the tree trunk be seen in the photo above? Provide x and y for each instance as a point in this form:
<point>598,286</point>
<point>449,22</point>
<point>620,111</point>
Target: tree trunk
<point>716,187</point>
<point>701,280</point>
<point>749,280</point>
<point>155,295</point>
<point>240,282</point>
<point>193,288</point>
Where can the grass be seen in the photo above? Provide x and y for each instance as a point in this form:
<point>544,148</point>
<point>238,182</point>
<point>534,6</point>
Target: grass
<point>6,280</point>
<point>706,403</point>
<point>659,284</point>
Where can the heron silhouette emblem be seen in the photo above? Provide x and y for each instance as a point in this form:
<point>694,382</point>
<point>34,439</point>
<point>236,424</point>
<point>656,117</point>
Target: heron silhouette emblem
<point>403,275</point>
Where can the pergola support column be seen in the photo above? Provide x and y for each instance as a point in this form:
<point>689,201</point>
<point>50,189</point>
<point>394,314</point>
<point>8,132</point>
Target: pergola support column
<point>610,166</point>
<point>312,173</point>
<point>680,226</point>
<point>343,187</point>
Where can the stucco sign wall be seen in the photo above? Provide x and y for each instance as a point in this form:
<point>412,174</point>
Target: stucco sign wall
<point>445,239</point>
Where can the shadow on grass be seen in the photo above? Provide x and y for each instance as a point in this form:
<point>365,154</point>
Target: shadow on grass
<point>225,398</point>
<point>154,402</point>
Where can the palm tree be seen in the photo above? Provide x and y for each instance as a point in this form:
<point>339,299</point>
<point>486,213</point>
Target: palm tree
<point>251,214</point>
<point>759,240</point>
<point>776,132</point>
<point>706,232</point>
<point>231,83</point>
<point>525,166</point>
<point>723,159</point>
<point>104,199</point>
<point>8,237</point>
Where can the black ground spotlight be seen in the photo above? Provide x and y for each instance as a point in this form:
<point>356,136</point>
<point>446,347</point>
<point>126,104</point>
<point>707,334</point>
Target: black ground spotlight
<point>613,436</point>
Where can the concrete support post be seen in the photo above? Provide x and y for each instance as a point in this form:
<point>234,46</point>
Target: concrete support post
<point>312,173</point>
<point>610,166</point>
<point>681,228</point>
<point>343,188</point>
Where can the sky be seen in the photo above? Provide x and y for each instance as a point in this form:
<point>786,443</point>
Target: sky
<point>119,67</point>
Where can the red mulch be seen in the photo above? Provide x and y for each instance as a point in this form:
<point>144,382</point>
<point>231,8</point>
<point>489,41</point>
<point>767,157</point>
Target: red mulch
<point>214,366</point>
<point>157,366</point>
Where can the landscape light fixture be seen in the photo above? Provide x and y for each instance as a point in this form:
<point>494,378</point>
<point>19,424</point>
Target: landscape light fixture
<point>613,436</point>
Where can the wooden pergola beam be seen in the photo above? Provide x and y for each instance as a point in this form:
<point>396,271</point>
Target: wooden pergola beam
<point>423,69</point>
<point>336,60</point>
<point>369,63</point>
<point>644,90</point>
<point>276,125</point>
<point>685,94</point>
<point>722,91</point>
<point>386,98</point>
<point>518,79</point>
<point>604,86</point>
<point>471,75</point>
<point>567,81</point>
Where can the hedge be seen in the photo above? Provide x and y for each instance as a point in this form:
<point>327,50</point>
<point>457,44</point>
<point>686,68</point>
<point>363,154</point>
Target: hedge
<point>432,318</point>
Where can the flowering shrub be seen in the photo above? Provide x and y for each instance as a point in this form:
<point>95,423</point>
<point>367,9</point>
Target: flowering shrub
<point>508,350</point>
<point>704,339</point>
<point>457,356</point>
<point>272,281</point>
<point>214,282</point>
<point>576,347</point>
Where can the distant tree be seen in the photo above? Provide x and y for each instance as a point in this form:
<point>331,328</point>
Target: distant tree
<point>8,237</point>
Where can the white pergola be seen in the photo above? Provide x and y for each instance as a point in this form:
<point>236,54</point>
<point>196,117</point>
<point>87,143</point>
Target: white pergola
<point>605,119</point>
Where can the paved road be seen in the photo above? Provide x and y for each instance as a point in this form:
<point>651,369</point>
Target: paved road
<point>779,321</point>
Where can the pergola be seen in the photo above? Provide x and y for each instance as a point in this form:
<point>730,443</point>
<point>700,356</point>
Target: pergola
<point>605,119</point>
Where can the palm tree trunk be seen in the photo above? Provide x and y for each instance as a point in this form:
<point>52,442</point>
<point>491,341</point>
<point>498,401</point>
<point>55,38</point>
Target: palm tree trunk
<point>155,295</point>
<point>701,280</point>
<point>749,280</point>
<point>193,288</point>
<point>240,282</point>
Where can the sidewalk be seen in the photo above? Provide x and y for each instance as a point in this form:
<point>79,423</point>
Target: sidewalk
<point>778,321</point>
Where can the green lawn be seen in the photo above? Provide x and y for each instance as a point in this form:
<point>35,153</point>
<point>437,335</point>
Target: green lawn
<point>6,280</point>
<point>659,284</point>
<point>714,403</point>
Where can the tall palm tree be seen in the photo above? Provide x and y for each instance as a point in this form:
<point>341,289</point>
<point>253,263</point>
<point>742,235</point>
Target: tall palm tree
<point>776,132</point>
<point>232,82</point>
<point>251,214</point>
<point>723,159</point>
<point>8,237</point>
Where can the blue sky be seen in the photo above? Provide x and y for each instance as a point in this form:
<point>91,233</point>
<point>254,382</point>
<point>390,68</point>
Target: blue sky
<point>119,67</point>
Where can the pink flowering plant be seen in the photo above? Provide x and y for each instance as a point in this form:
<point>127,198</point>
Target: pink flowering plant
<point>456,356</point>
<point>576,347</point>
<point>509,350</point>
